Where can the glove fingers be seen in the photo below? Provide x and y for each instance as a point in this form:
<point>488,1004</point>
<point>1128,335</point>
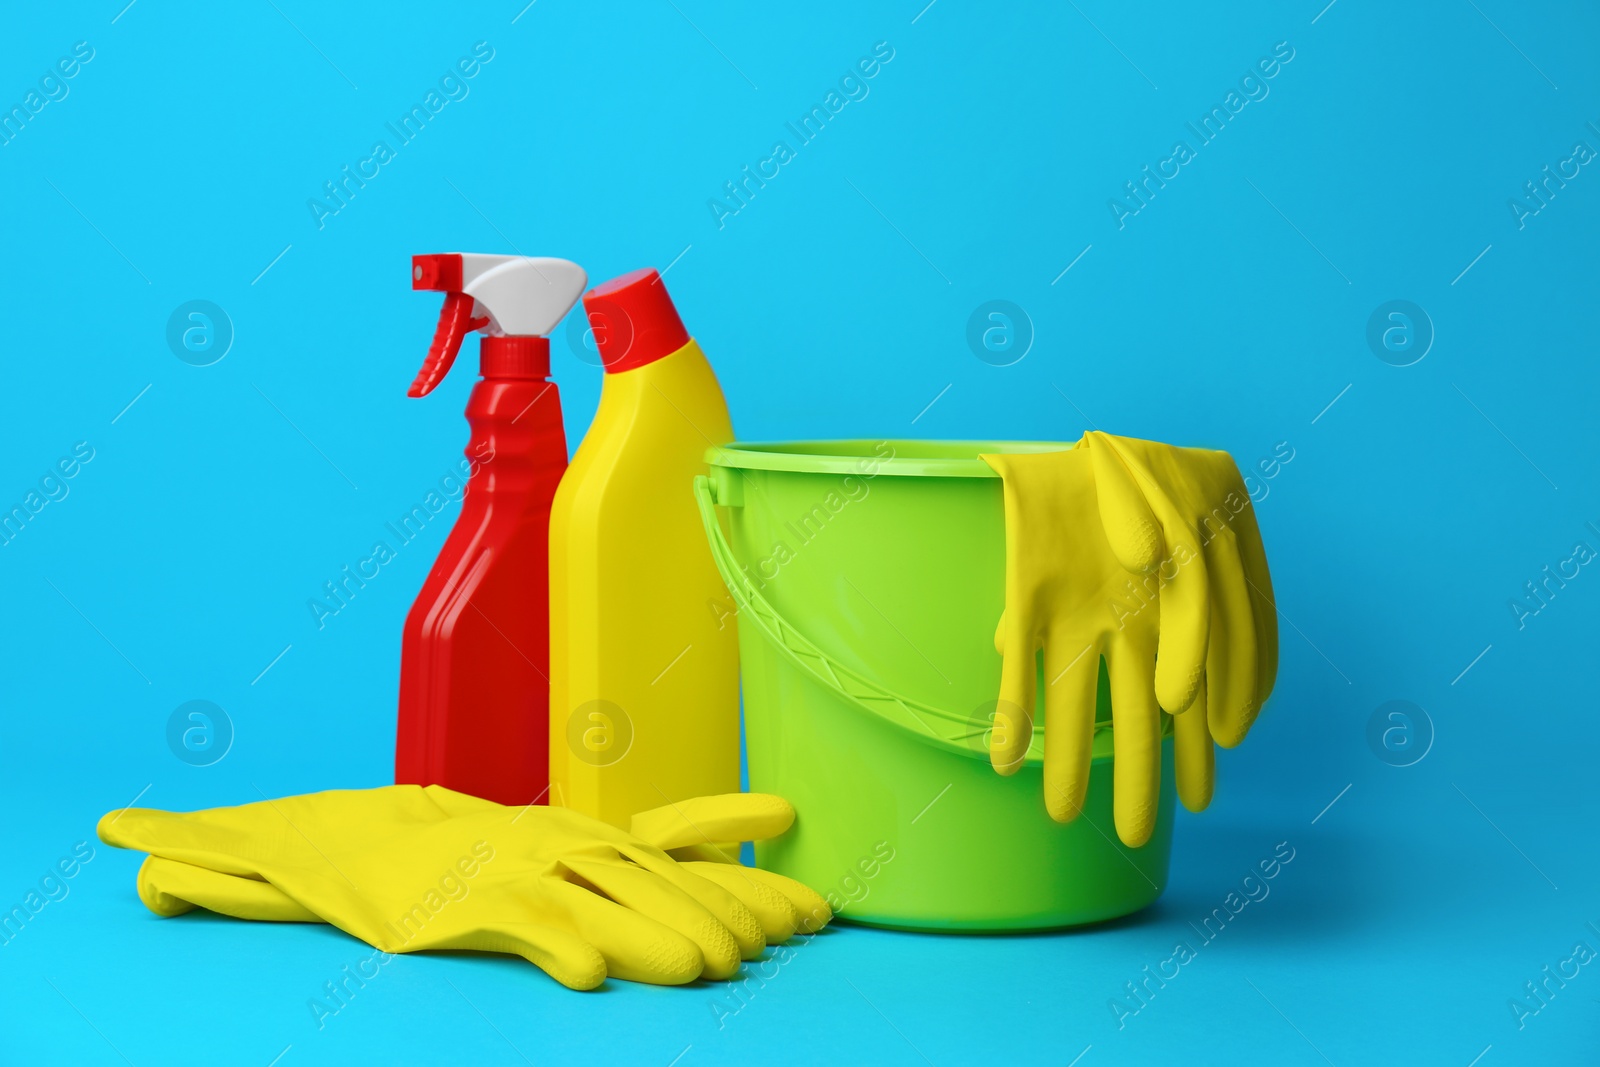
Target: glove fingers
<point>709,820</point>
<point>1185,616</point>
<point>169,888</point>
<point>1072,678</point>
<point>754,886</point>
<point>1136,732</point>
<point>175,898</point>
<point>183,836</point>
<point>1130,524</point>
<point>634,947</point>
<point>1253,558</point>
<point>776,913</point>
<point>566,957</point>
<point>320,821</point>
<point>654,897</point>
<point>1185,627</point>
<point>727,908</point>
<point>1231,665</point>
<point>142,829</point>
<point>1196,758</point>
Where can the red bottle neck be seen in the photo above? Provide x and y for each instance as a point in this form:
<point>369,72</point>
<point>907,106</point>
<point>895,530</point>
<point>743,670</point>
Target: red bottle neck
<point>518,444</point>
<point>522,358</point>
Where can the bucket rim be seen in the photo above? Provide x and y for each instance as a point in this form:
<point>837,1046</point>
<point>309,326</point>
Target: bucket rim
<point>903,457</point>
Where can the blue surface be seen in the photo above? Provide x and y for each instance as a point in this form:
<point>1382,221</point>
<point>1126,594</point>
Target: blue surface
<point>1232,310</point>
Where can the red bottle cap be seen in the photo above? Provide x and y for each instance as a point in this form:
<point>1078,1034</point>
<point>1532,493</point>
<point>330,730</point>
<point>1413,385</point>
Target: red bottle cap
<point>514,357</point>
<point>633,320</point>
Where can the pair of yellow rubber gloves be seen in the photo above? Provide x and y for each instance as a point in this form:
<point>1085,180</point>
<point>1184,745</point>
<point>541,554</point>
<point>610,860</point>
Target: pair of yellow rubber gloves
<point>1148,555</point>
<point>409,868</point>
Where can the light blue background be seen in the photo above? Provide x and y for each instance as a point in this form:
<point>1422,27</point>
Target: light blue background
<point>835,304</point>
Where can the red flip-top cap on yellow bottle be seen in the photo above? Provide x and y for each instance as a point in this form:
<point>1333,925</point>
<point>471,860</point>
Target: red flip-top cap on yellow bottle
<point>634,321</point>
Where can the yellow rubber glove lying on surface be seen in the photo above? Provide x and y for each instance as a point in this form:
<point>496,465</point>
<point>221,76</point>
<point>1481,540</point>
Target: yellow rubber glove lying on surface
<point>1077,524</point>
<point>407,869</point>
<point>1183,518</point>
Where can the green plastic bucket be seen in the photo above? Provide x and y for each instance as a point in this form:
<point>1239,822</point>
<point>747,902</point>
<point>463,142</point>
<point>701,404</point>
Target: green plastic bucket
<point>867,578</point>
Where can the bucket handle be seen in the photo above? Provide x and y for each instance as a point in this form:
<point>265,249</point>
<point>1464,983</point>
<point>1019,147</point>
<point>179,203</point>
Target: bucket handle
<point>961,734</point>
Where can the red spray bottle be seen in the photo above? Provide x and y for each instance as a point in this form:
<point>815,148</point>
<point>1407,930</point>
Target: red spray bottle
<point>474,662</point>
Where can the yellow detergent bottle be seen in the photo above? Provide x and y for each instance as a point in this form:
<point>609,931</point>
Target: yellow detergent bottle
<point>644,669</point>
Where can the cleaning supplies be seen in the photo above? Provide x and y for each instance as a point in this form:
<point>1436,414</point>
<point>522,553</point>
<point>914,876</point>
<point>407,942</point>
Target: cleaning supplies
<point>410,869</point>
<point>869,679</point>
<point>1183,519</point>
<point>644,698</point>
<point>474,684</point>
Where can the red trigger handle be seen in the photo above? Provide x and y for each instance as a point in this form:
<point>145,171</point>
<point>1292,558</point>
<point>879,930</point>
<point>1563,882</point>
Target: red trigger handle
<point>455,322</point>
